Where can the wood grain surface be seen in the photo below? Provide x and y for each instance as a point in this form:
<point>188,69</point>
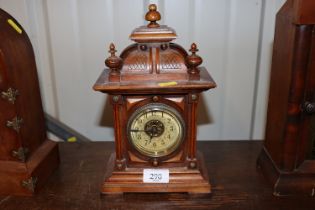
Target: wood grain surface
<point>232,167</point>
<point>291,106</point>
<point>25,152</point>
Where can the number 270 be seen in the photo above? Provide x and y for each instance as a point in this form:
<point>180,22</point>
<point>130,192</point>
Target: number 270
<point>155,176</point>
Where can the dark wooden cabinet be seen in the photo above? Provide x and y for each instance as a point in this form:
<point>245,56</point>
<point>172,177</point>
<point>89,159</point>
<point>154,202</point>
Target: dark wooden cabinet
<point>288,156</point>
<point>27,157</point>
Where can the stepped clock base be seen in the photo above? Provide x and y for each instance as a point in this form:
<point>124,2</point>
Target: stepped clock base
<point>298,182</point>
<point>18,178</point>
<point>131,180</point>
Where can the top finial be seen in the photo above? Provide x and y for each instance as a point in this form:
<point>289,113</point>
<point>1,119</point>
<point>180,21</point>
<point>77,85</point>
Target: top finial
<point>153,16</point>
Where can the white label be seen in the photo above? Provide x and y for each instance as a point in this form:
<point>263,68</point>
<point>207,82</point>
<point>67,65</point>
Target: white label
<point>156,175</point>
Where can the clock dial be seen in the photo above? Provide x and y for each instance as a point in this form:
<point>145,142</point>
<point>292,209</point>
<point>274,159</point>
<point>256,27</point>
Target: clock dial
<point>155,130</point>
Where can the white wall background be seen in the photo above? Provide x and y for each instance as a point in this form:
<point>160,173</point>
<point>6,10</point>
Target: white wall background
<point>71,38</point>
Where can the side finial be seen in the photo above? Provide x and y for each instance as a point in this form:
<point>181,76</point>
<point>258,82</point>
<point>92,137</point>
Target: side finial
<point>113,62</point>
<point>112,49</point>
<point>153,15</point>
<point>193,48</point>
<point>193,60</point>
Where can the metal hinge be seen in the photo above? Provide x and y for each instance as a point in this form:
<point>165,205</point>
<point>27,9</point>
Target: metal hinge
<point>15,124</point>
<point>20,154</point>
<point>10,95</point>
<point>30,183</point>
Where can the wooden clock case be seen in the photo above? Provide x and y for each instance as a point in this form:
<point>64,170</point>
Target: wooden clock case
<point>27,157</point>
<point>154,70</point>
<point>288,156</point>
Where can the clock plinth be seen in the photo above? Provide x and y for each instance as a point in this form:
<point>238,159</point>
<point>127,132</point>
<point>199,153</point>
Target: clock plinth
<point>182,179</point>
<point>154,87</point>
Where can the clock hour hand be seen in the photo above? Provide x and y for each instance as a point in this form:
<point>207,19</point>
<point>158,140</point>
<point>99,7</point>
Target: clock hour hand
<point>136,130</point>
<point>151,137</point>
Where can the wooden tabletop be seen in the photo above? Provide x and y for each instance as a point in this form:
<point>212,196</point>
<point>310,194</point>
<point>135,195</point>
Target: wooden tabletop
<point>236,182</point>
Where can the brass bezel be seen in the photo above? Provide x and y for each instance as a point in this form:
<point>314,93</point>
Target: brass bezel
<point>157,107</point>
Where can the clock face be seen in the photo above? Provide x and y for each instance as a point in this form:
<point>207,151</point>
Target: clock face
<point>155,130</point>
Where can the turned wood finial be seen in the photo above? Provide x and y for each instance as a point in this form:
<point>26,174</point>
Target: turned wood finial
<point>112,49</point>
<point>113,62</point>
<point>153,16</point>
<point>193,60</point>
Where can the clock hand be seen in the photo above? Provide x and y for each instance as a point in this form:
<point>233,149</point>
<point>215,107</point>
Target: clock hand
<point>151,137</point>
<point>134,130</point>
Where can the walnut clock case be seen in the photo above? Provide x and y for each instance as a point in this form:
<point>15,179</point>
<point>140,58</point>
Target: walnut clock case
<point>288,156</point>
<point>27,157</point>
<point>154,87</point>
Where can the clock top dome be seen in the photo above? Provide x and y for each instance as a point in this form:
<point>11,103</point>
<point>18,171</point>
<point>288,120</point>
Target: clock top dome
<point>153,59</point>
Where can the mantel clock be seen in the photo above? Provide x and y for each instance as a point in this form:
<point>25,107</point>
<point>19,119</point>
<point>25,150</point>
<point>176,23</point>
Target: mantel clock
<point>154,87</point>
